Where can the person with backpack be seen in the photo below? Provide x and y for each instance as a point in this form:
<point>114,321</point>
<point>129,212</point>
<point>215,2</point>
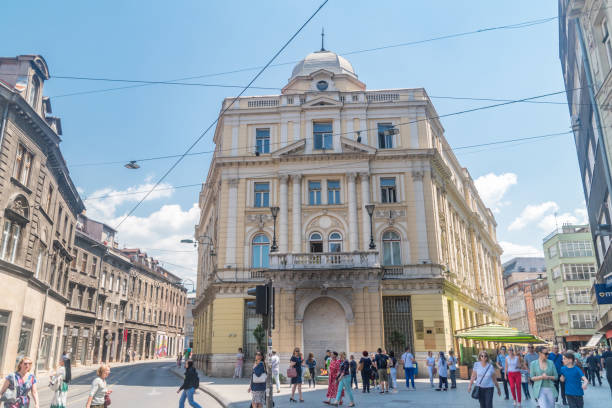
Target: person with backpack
<point>59,384</point>
<point>190,384</point>
<point>381,362</point>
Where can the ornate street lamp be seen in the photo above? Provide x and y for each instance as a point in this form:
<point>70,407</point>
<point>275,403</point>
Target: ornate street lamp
<point>274,211</point>
<point>370,209</point>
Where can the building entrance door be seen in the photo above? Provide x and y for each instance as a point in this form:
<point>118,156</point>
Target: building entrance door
<point>324,328</point>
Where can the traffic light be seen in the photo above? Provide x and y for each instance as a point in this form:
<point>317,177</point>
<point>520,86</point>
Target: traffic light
<point>261,304</point>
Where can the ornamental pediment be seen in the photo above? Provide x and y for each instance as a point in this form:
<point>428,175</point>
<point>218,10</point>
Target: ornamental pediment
<point>322,101</point>
<point>293,148</point>
<point>353,146</point>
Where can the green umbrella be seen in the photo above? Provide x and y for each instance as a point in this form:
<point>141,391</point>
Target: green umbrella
<point>501,334</point>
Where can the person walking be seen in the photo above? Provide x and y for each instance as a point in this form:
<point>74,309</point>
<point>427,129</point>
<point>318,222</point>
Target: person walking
<point>482,375</point>
<point>593,367</point>
<point>431,367</point>
<point>442,372</point>
<point>179,359</point>
<point>257,386</point>
<point>607,364</point>
<point>393,371</point>
<point>311,364</point>
<point>296,382</point>
<point>557,360</point>
<point>407,360</point>
<point>353,367</point>
<point>543,373</point>
<point>574,380</point>
<point>24,383</point>
<point>513,372</point>
<point>238,366</point>
<point>275,368</point>
<point>452,368</point>
<point>500,362</point>
<point>332,380</point>
<point>524,377</point>
<point>344,382</point>
<point>365,366</point>
<point>98,393</point>
<point>381,363</point>
<point>58,382</point>
<point>189,386</point>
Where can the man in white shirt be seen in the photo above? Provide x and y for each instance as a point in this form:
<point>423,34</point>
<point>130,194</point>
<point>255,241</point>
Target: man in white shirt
<point>408,362</point>
<point>275,366</point>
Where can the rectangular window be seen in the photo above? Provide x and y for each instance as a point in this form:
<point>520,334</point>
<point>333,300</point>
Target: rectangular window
<point>25,338</point>
<point>23,164</point>
<point>582,320</point>
<point>556,272</point>
<point>39,262</point>
<point>572,272</point>
<point>102,279</point>
<point>385,135</point>
<point>251,321</point>
<point>574,249</point>
<point>552,251</point>
<point>108,308</point>
<point>262,140</point>
<point>578,296</point>
<point>79,304</point>
<point>333,192</point>
<point>90,300</point>
<point>84,263</point>
<point>4,322</point>
<point>10,240</point>
<point>387,190</point>
<point>314,192</point>
<point>606,41</point>
<point>397,318</point>
<point>262,194</point>
<point>323,137</point>
<point>44,353</point>
<point>49,199</point>
<point>94,265</point>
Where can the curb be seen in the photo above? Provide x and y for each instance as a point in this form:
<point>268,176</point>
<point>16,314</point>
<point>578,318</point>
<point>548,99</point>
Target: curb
<point>217,397</point>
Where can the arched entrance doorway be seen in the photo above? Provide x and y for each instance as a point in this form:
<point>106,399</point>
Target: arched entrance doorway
<point>324,328</point>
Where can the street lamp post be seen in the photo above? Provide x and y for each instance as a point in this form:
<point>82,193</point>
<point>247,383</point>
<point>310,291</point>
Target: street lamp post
<point>274,211</point>
<point>370,209</point>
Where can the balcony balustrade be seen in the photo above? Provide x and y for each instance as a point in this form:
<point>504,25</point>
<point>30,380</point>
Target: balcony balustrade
<point>324,260</point>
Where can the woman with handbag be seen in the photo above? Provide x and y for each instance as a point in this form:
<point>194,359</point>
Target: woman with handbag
<point>18,385</point>
<point>59,384</point>
<point>257,388</point>
<point>99,395</point>
<point>482,374</point>
<point>543,374</point>
<point>295,373</point>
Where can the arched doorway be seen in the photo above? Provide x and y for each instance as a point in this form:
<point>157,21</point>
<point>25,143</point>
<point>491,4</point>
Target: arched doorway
<point>324,328</point>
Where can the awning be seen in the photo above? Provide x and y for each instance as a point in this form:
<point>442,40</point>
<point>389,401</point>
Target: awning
<point>594,341</point>
<point>498,333</point>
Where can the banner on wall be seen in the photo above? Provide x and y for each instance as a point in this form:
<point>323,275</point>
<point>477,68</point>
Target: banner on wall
<point>603,293</point>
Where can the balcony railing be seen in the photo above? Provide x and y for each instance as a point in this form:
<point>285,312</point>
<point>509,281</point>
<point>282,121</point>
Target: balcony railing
<point>414,271</point>
<point>240,275</point>
<point>324,260</point>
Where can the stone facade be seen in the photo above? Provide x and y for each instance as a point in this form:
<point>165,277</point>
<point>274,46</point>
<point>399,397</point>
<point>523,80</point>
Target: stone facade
<point>320,152</point>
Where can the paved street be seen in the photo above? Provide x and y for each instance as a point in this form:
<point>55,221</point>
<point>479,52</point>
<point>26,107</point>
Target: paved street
<point>146,384</point>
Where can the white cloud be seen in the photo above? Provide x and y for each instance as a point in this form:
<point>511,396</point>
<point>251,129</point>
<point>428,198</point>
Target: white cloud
<point>550,222</point>
<point>493,187</point>
<point>533,213</point>
<point>516,250</point>
<point>102,204</point>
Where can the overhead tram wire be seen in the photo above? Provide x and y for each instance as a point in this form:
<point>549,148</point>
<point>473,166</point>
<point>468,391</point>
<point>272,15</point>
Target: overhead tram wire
<point>201,136</point>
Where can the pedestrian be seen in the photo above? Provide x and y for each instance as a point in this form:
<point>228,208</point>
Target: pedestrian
<point>381,362</point>
<point>332,378</point>
<point>179,360</point>
<point>408,363</point>
<point>524,377</point>
<point>374,373</point>
<point>311,363</point>
<point>500,362</point>
<point>99,393</point>
<point>365,366</point>
<point>23,382</point>
<point>543,373</point>
<point>328,359</point>
<point>275,367</point>
<point>574,380</point>
<point>452,368</point>
<point>482,374</point>
<point>557,360</point>
<point>238,366</point>
<point>513,372</point>
<point>431,367</point>
<point>257,387</point>
<point>593,367</point>
<point>442,372</point>
<point>58,382</point>
<point>344,382</point>
<point>296,382</point>
<point>190,384</point>
<point>393,371</point>
<point>353,367</point>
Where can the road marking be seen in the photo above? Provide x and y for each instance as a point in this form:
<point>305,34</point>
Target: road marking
<point>154,392</point>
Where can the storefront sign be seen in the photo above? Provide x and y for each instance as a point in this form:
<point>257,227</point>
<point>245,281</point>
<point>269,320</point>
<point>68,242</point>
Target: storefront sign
<point>603,293</point>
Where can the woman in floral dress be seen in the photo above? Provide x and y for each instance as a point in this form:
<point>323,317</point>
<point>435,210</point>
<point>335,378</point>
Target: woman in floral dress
<point>59,385</point>
<point>332,379</point>
<point>24,382</point>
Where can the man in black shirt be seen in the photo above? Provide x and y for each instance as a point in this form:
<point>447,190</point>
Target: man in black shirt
<point>380,362</point>
<point>593,367</point>
<point>353,366</point>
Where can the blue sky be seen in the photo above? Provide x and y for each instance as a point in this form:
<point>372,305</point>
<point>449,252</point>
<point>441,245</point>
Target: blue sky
<point>524,183</point>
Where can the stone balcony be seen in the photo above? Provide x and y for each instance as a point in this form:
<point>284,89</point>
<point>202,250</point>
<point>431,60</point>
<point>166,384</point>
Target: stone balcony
<point>324,260</point>
<point>413,271</point>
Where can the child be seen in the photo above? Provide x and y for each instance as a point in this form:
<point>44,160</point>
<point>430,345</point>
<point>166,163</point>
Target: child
<point>525,377</point>
<point>574,379</point>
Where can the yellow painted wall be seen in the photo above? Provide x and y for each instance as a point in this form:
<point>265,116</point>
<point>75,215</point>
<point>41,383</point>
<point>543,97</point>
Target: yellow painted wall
<point>227,325</point>
<point>428,308</point>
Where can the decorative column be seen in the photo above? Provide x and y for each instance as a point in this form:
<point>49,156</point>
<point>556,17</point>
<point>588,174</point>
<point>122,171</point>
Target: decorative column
<point>352,215</point>
<point>297,213</point>
<point>421,220</point>
<point>284,215</point>
<point>365,218</point>
<point>230,243</point>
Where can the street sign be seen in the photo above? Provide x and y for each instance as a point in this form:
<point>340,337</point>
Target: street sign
<point>603,293</point>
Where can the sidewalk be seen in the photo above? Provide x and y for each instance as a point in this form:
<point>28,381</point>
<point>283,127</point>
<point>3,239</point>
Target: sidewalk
<point>233,394</point>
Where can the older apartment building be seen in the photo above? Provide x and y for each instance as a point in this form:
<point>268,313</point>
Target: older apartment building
<point>380,239</point>
<point>39,209</point>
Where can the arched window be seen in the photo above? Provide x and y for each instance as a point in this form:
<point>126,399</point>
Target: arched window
<point>316,242</point>
<point>261,252</point>
<point>392,254</point>
<point>335,242</point>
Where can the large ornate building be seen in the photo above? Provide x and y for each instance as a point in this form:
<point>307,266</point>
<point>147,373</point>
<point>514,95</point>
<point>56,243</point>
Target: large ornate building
<point>424,264</point>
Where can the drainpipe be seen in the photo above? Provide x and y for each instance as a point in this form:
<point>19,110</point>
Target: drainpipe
<point>42,325</point>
